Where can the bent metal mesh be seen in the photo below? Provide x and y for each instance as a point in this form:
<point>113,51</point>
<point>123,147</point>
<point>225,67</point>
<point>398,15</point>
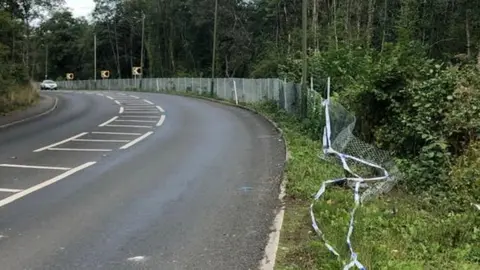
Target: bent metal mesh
<point>369,171</point>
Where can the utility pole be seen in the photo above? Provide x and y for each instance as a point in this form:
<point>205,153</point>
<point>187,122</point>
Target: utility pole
<point>95,56</point>
<point>143,34</point>
<point>214,47</point>
<point>305,62</point>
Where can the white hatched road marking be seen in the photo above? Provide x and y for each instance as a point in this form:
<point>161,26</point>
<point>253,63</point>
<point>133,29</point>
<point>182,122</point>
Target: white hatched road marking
<point>121,110</point>
<point>149,102</point>
<point>127,109</point>
<point>25,192</point>
<point>160,109</point>
<point>109,97</point>
<point>61,142</point>
<point>10,190</point>
<point>141,116</point>
<point>118,102</point>
<point>98,140</point>
<point>160,122</point>
<point>135,97</point>
<point>108,122</point>
<point>80,149</point>
<point>136,140</point>
<point>35,167</point>
<point>139,121</point>
<point>117,133</point>
<point>129,126</point>
<point>140,112</point>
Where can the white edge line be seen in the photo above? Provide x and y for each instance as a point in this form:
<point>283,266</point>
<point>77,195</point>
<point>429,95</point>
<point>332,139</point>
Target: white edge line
<point>108,122</point>
<point>61,142</point>
<point>10,190</point>
<point>80,149</point>
<point>35,167</point>
<point>121,110</point>
<point>136,140</point>
<point>162,119</point>
<point>270,255</point>
<point>149,102</point>
<point>32,117</point>
<point>117,133</point>
<point>160,109</point>
<point>44,184</point>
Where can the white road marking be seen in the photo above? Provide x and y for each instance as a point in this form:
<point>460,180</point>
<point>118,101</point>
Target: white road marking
<point>139,121</point>
<point>160,109</point>
<point>160,122</point>
<point>140,109</point>
<point>122,94</point>
<point>121,110</point>
<point>129,126</point>
<point>98,94</point>
<point>10,190</point>
<point>108,122</point>
<point>147,112</point>
<point>135,97</point>
<point>117,133</point>
<point>136,140</point>
<point>137,259</point>
<point>80,149</point>
<point>109,97</point>
<point>149,102</point>
<point>98,140</point>
<point>35,167</point>
<point>118,102</point>
<point>61,142</point>
<point>44,184</point>
<point>141,116</point>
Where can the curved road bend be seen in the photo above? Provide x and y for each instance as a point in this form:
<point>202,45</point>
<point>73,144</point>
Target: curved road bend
<point>115,182</point>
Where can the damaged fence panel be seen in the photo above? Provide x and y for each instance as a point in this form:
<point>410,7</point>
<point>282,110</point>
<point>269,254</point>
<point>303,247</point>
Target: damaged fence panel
<point>340,144</point>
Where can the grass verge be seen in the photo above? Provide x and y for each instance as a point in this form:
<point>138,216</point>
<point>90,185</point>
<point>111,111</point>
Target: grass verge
<point>398,231</point>
<point>17,97</point>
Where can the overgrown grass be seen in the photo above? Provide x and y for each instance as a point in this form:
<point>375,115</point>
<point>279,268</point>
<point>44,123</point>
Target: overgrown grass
<point>17,97</point>
<point>398,231</point>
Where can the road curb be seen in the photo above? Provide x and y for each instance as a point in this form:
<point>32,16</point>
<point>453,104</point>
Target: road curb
<point>268,261</point>
<point>53,102</point>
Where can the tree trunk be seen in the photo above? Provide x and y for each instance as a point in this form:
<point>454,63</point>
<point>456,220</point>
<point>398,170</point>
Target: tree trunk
<point>371,11</point>
<point>314,25</point>
<point>385,14</point>
<point>467,32</point>
<point>334,25</point>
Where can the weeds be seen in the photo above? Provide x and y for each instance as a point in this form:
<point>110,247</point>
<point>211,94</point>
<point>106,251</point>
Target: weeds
<point>17,97</point>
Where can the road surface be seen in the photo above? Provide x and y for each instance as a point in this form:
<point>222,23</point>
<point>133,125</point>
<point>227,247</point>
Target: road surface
<point>112,180</point>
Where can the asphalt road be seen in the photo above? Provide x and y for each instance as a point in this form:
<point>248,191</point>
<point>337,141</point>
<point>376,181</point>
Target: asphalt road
<point>112,181</point>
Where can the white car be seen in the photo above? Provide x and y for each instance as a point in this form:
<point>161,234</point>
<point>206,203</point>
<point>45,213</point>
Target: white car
<point>48,85</point>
